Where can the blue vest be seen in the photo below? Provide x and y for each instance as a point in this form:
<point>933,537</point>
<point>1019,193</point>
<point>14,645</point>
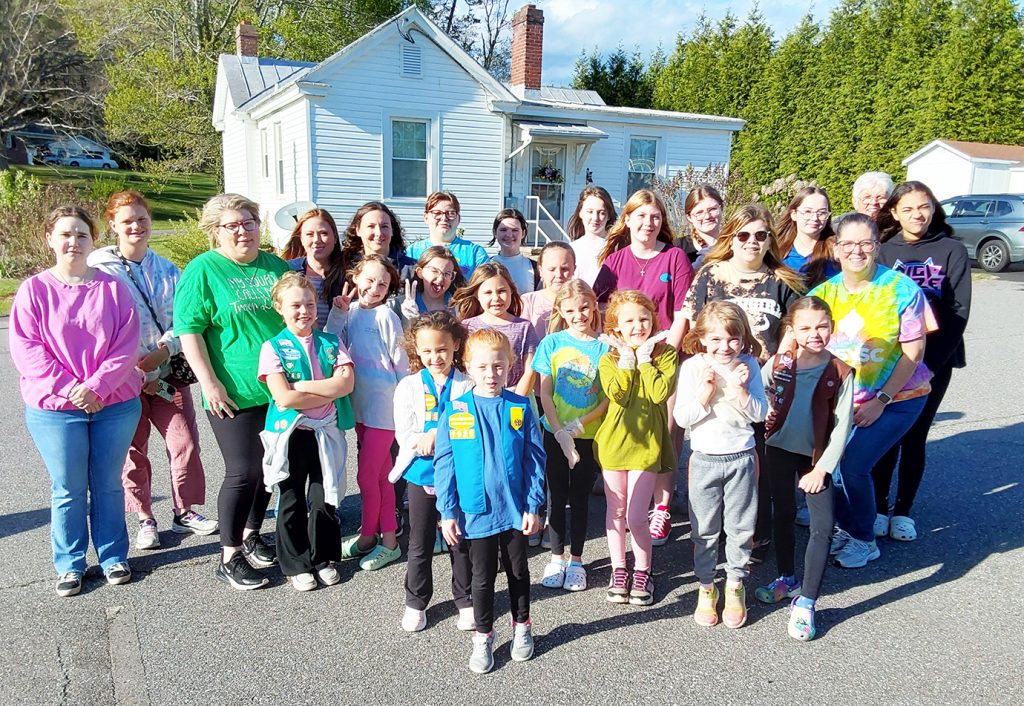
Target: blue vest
<point>292,354</point>
<point>421,470</point>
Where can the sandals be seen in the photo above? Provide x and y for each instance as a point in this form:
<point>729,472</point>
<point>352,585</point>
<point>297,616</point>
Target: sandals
<point>801,621</point>
<point>902,529</point>
<point>554,574</point>
<point>575,577</point>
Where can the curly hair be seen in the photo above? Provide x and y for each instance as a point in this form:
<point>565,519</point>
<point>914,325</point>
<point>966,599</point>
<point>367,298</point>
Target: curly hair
<point>443,322</point>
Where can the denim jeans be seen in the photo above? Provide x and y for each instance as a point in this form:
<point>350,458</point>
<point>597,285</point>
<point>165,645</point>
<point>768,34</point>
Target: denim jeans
<point>84,454</point>
<point>855,488</point>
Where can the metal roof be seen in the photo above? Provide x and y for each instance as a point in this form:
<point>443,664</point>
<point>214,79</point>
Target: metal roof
<point>564,130</point>
<point>558,94</point>
<point>248,76</point>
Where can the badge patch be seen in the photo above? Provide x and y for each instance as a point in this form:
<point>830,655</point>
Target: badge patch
<point>290,354</point>
<point>430,401</point>
<point>515,417</point>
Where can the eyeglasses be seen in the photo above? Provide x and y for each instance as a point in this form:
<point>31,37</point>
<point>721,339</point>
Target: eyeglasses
<point>808,213</point>
<point>247,224</point>
<point>760,236</point>
<point>713,212</point>
<point>877,200</point>
<point>438,215</point>
<point>446,275</point>
<point>848,246</point>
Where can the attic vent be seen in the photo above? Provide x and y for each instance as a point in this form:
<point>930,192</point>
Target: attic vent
<point>412,60</point>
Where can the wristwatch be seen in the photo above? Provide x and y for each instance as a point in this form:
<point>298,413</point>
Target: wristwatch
<point>883,397</point>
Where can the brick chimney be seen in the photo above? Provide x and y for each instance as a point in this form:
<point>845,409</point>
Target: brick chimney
<point>527,47</point>
<point>247,39</point>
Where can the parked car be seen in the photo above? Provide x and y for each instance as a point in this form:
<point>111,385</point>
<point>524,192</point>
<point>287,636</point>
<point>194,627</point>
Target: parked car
<point>88,160</point>
<point>991,226</point>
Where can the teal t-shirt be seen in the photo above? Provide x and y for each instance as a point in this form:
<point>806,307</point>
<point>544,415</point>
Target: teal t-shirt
<point>576,384</point>
<point>229,305</point>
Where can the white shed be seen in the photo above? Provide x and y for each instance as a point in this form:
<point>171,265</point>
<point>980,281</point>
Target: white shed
<point>953,168</point>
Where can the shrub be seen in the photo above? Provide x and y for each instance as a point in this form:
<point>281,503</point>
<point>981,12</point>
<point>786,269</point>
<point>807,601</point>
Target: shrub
<point>186,242</point>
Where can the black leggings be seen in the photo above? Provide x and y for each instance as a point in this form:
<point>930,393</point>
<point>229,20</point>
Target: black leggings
<point>784,467</point>
<point>763,525</point>
<point>419,568</point>
<point>483,556</point>
<point>911,454</point>
<point>305,541</point>
<point>572,486</point>
<point>242,501</point>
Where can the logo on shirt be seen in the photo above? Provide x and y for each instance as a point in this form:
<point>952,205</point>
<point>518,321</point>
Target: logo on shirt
<point>515,417</point>
<point>665,277</point>
<point>461,425</point>
<point>430,405</point>
<point>290,354</point>
<point>927,275</point>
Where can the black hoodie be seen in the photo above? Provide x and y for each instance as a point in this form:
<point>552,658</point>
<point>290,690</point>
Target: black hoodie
<point>938,263</point>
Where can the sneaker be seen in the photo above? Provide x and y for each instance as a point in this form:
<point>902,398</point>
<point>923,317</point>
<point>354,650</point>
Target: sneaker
<point>70,584</point>
<point>840,538</point>
<point>440,546</point>
<point>642,590</point>
<point>303,582</point>
<point>466,620</point>
<point>239,574</point>
<point>661,524</point>
<point>482,659</point>
<point>902,529</point>
<point>857,554</point>
<point>147,537</point>
<point>350,547</point>
<point>707,606</point>
<point>534,539</point>
<point>400,523</point>
<point>522,641</point>
<point>379,557</point>
<point>734,615</point>
<point>328,575</point>
<point>801,619</point>
<point>803,517</point>
<point>258,553</point>
<point>119,573</point>
<point>777,590</point>
<point>414,620</point>
<point>881,525</point>
<point>190,522</point>
<point>618,587</point>
<point>545,540</point>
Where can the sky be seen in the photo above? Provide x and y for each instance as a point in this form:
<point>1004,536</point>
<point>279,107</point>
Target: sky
<point>573,25</point>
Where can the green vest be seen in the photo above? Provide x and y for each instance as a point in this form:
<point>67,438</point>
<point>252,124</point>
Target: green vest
<point>297,367</point>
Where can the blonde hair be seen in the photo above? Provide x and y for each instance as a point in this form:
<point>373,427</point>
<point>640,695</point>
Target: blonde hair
<point>464,302</point>
<point>287,281</point>
<point>209,219</point>
<point>731,317</point>
<point>489,338</point>
<point>573,289</point>
<point>620,298</point>
<point>722,249</point>
<point>619,235</point>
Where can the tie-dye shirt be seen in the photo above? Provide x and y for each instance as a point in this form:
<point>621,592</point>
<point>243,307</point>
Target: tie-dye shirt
<point>870,327</point>
<point>576,385</point>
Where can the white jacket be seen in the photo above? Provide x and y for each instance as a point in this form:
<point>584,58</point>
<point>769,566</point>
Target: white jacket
<point>410,416</point>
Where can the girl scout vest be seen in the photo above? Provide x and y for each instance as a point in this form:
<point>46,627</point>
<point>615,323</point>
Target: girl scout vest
<point>296,366</point>
<point>421,470</point>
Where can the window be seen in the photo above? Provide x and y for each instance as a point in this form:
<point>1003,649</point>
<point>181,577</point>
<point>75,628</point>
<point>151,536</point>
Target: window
<point>643,153</point>
<point>1000,208</point>
<point>409,158</point>
<point>279,155</point>
<point>970,208</point>
<point>264,154</point>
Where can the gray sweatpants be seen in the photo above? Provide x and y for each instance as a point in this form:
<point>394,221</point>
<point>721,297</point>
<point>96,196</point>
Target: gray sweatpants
<point>722,486</point>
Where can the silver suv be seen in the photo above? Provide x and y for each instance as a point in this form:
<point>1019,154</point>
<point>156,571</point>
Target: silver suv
<point>991,226</point>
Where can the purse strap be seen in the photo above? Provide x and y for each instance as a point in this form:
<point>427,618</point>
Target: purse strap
<point>131,276</point>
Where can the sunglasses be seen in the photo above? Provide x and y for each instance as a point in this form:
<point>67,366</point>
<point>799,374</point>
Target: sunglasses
<point>760,236</point>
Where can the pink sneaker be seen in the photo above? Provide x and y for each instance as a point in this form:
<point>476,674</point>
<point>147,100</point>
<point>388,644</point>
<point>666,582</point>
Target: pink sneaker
<point>661,525</point>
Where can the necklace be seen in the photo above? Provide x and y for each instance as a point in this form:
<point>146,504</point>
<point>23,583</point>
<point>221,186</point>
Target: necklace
<point>82,279</point>
<point>646,261</point>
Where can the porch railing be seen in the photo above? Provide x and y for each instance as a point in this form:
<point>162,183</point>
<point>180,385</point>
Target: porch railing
<point>542,227</point>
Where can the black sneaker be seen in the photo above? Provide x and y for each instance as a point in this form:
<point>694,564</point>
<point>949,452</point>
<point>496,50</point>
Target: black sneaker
<point>119,573</point>
<point>400,520</point>
<point>260,554</point>
<point>238,574</point>
<point>70,584</point>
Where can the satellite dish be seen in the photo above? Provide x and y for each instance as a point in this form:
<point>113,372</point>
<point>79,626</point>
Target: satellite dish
<point>287,216</point>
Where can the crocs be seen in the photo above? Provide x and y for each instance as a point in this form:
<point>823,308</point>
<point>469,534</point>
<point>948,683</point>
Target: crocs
<point>554,574</point>
<point>575,577</point>
<point>902,529</point>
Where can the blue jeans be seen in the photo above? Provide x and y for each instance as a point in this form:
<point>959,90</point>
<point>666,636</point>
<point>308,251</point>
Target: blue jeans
<point>855,496</point>
<point>84,454</point>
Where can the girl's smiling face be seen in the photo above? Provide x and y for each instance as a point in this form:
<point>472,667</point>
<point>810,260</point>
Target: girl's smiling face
<point>811,215</point>
<point>578,313</point>
<point>372,284</point>
<point>132,225</point>
<point>442,220</point>
<point>723,347</point>
<point>644,224</point>
<point>317,238</point>
<point>436,350</point>
<point>488,367</point>
<point>706,217</point>
<point>509,235</point>
<point>70,240</point>
<point>812,329</point>
<point>750,254</point>
<point>594,216</point>
<point>635,324</point>
<point>375,232</point>
<point>297,306</point>
<point>557,267</point>
<point>437,276</point>
<point>495,296</point>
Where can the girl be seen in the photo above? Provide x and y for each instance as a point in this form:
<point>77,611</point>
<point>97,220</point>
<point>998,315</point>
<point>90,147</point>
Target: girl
<point>588,229</point>
<point>488,474</point>
<point>509,229</point>
<point>720,397</point>
<point>373,334</point>
<point>917,241</point>
<point>374,230</point>
<point>557,265</point>
<point>434,344</point>
<point>310,376</point>
<point>490,300</point>
<point>315,250</point>
<point>633,444</point>
<point>810,420</point>
<point>74,337</point>
<point>573,403</point>
<point>703,208</point>
<point>435,277</point>
<point>441,213</point>
<point>805,236</point>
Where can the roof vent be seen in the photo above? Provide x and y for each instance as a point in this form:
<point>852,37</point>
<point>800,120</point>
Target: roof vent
<point>412,60</point>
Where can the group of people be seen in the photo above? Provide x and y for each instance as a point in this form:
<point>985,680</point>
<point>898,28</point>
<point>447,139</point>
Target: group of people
<point>805,357</point>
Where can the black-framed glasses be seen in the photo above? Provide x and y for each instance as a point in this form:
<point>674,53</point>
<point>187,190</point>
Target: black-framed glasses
<point>438,215</point>
<point>760,236</point>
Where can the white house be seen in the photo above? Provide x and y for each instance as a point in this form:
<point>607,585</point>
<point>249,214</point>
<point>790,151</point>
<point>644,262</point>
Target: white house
<point>952,168</point>
<point>404,111</point>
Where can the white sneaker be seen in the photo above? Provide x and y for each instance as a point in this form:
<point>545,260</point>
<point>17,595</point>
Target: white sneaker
<point>466,620</point>
<point>522,642</point>
<point>902,529</point>
<point>881,525</point>
<point>148,536</point>
<point>303,582</point>
<point>482,659</point>
<point>328,575</point>
<point>414,620</point>
<point>857,554</point>
<point>839,540</point>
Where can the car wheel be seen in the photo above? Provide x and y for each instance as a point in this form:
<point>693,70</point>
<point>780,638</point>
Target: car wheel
<point>993,255</point>
<point>73,163</point>
<point>106,165</point>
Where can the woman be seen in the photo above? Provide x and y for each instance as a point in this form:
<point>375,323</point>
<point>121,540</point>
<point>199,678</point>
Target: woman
<point>703,208</point>
<point>917,241</point>
<point>375,230</point>
<point>223,313</point>
<point>74,338</point>
<point>314,250</point>
<point>805,236</point>
<point>166,405</point>
<point>879,331</point>
<point>588,230</point>
<point>870,192</point>
<point>441,213</point>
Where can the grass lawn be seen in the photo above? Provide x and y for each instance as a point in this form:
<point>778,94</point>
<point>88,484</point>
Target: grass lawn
<point>7,289</point>
<point>171,196</point>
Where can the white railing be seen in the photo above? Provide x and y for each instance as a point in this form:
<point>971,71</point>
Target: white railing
<point>542,227</point>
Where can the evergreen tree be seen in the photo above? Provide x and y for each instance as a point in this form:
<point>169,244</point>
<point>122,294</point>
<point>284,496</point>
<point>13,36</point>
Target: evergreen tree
<point>619,79</point>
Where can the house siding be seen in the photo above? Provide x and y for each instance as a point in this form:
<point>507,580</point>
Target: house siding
<point>296,155</point>
<point>237,154</point>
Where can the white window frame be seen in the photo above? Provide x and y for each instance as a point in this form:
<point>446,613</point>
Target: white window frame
<point>657,170</point>
<point>433,161</point>
<point>279,157</point>
<point>264,154</point>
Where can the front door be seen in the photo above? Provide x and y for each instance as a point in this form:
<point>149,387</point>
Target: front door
<point>547,177</point>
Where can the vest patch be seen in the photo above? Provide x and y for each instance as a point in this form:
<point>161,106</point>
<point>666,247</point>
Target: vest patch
<point>515,417</point>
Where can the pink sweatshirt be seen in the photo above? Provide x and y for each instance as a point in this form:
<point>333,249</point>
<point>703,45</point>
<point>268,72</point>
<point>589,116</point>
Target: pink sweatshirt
<point>62,334</point>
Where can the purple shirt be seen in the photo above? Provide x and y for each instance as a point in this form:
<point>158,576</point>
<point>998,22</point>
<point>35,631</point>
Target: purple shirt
<point>520,333</point>
<point>62,335</point>
<point>666,278</point>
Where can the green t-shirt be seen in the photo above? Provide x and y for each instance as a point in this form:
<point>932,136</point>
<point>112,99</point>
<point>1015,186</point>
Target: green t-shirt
<point>229,305</point>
